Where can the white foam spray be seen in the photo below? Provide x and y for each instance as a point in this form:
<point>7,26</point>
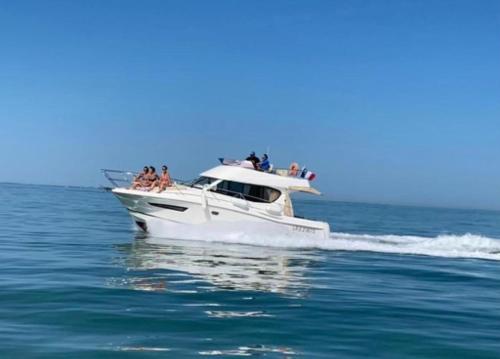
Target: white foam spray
<point>458,246</point>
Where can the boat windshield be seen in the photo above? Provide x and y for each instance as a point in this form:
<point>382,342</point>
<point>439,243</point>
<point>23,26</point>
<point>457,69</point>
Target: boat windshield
<point>202,181</point>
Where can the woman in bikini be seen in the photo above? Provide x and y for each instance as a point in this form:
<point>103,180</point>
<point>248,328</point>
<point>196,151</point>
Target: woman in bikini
<point>164,181</point>
<point>151,179</point>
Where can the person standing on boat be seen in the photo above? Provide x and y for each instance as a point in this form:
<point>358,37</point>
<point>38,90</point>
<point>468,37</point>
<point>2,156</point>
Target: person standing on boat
<point>264,164</point>
<point>254,159</point>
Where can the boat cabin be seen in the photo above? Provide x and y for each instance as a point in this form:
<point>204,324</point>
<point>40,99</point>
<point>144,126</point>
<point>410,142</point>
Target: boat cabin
<point>253,186</point>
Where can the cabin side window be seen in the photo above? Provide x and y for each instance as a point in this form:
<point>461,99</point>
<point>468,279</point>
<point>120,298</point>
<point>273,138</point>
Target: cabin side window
<point>249,192</point>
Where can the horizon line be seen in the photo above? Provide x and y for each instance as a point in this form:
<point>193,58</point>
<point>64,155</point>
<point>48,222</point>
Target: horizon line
<point>322,198</point>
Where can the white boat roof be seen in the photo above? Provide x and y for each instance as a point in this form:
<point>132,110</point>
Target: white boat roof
<point>251,176</point>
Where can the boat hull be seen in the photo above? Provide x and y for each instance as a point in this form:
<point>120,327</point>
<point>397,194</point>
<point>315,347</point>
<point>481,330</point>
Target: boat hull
<point>188,206</point>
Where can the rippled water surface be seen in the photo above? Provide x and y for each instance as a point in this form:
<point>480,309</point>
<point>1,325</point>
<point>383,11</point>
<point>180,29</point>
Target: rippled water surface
<point>77,280</point>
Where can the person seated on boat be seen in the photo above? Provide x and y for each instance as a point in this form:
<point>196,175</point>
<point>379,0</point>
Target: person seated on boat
<point>164,181</point>
<point>264,164</point>
<point>254,159</point>
<point>293,169</point>
<point>139,179</point>
<point>151,179</point>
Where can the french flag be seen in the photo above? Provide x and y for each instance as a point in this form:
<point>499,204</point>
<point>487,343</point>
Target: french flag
<point>308,175</point>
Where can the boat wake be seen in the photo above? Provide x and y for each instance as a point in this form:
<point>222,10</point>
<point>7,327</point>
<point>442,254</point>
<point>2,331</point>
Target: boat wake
<point>452,246</point>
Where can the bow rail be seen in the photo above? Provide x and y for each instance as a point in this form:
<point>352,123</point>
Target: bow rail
<point>124,179</point>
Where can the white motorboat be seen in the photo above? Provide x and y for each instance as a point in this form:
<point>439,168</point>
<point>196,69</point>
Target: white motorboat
<point>224,194</point>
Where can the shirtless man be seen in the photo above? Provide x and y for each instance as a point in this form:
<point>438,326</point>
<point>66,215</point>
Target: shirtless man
<point>139,180</point>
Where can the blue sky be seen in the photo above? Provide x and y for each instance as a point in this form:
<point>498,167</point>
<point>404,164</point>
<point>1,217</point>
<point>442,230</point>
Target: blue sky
<point>388,101</point>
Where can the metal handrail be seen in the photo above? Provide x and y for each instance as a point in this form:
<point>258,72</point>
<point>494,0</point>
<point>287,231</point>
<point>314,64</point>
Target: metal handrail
<point>127,177</point>
<point>278,171</point>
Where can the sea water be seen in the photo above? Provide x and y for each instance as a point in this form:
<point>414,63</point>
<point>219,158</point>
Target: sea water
<point>77,280</point>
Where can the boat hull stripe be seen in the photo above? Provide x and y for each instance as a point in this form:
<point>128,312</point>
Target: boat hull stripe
<point>168,206</point>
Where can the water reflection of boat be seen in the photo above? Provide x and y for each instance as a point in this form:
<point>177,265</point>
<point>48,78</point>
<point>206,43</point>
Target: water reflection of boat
<point>223,265</point>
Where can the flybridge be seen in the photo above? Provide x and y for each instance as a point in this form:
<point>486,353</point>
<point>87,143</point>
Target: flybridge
<point>293,171</point>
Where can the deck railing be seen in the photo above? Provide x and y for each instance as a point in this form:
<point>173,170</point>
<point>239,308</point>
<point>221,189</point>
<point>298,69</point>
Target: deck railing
<point>120,178</point>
